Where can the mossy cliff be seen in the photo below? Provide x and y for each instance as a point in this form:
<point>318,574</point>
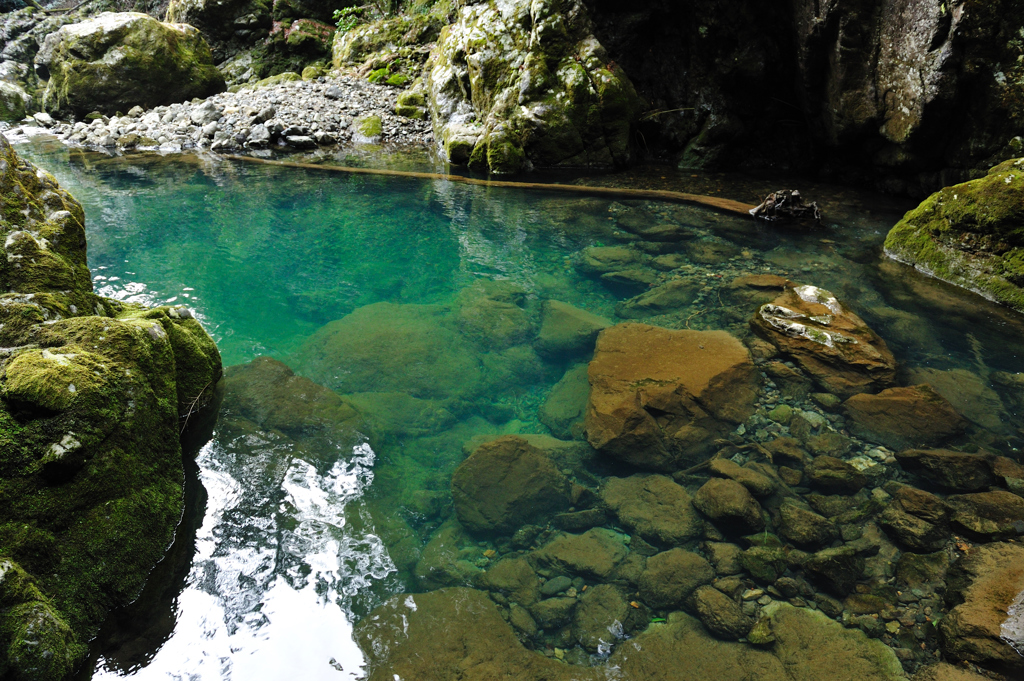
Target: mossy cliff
<point>522,83</point>
<point>115,61</point>
<point>94,394</point>
<point>970,234</point>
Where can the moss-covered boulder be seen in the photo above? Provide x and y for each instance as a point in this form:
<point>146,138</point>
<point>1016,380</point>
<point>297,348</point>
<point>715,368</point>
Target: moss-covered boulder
<point>12,102</point>
<point>970,234</point>
<point>115,61</point>
<point>526,82</point>
<point>94,395</point>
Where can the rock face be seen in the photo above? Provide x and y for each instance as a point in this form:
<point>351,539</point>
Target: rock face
<point>901,90</point>
<point>904,417</point>
<point>981,589</point>
<point>520,82</point>
<point>969,235</point>
<point>827,340</point>
<point>94,394</point>
<point>505,484</point>
<point>659,398</point>
<point>116,61</point>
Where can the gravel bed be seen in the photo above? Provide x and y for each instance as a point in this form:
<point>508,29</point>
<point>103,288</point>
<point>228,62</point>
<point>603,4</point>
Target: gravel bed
<point>295,114</point>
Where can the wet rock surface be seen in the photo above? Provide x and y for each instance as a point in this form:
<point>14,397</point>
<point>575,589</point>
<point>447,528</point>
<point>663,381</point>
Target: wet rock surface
<point>827,340</point>
<point>646,384</point>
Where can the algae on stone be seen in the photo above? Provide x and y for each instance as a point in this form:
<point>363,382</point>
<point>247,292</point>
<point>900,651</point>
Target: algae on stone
<point>115,61</point>
<point>970,234</point>
<point>94,395</point>
<point>520,82</point>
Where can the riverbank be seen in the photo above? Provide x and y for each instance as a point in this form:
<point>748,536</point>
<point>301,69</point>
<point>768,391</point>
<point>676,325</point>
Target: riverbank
<point>297,114</point>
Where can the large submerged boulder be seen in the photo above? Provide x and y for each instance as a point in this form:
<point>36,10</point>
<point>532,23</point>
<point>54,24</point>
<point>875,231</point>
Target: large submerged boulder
<point>505,484</point>
<point>115,61</point>
<point>970,235</point>
<point>827,340</point>
<point>659,398</point>
<point>526,82</point>
<point>94,395</point>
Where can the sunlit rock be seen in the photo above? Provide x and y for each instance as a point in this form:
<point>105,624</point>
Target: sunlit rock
<point>659,398</point>
<point>827,340</point>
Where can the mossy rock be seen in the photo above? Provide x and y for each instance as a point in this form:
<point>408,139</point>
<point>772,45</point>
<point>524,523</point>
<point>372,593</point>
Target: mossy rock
<point>368,129</point>
<point>286,77</point>
<point>115,61</point>
<point>93,399</point>
<point>970,234</point>
<point>12,102</point>
<point>537,80</point>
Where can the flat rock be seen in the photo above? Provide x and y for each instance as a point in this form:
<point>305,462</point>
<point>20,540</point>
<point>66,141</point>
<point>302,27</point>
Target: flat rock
<point>659,398</point>
<point>592,555</point>
<point>834,476</point>
<point>670,296</point>
<point>899,418</point>
<point>950,470</point>
<point>505,484</point>
<point>400,639</point>
<point>827,340</point>
<point>988,515</point>
<point>654,507</point>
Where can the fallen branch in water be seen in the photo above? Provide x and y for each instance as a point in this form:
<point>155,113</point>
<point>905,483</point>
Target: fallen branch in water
<point>713,202</point>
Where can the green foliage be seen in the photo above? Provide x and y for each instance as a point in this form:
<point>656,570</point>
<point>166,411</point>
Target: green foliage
<point>347,18</point>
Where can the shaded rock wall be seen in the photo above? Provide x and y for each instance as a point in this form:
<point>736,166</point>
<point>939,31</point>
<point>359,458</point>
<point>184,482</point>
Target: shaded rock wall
<point>929,92</point>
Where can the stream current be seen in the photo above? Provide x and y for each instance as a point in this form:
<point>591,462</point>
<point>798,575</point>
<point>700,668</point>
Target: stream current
<point>292,537</point>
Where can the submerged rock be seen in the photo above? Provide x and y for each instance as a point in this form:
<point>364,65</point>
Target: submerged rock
<point>95,396</point>
<point>898,418</point>
<point>672,576</point>
<point>659,398</point>
<point>730,506</point>
<point>916,519</point>
<point>516,82</point>
<point>566,404</point>
<point>401,638</point>
<point>827,340</point>
<point>115,61</point>
<point>969,235</point>
<point>592,555</point>
<point>681,650</point>
<point>981,588</point>
<point>505,484</point>
<point>949,469</point>
<point>567,330</point>
<point>654,507</point>
<point>721,615</point>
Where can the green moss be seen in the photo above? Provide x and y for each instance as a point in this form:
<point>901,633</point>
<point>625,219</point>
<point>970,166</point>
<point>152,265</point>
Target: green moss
<point>398,80</point>
<point>286,77</point>
<point>90,459</point>
<point>157,64</point>
<point>378,75</point>
<point>971,234</point>
<point>411,98</point>
<point>369,126</point>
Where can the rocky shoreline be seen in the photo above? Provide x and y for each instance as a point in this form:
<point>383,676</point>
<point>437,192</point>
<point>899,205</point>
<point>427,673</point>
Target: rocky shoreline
<point>289,114</point>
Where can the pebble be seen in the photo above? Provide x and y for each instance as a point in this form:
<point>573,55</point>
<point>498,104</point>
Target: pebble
<point>297,114</point>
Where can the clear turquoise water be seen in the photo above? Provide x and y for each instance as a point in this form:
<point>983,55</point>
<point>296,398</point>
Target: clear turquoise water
<point>290,550</point>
